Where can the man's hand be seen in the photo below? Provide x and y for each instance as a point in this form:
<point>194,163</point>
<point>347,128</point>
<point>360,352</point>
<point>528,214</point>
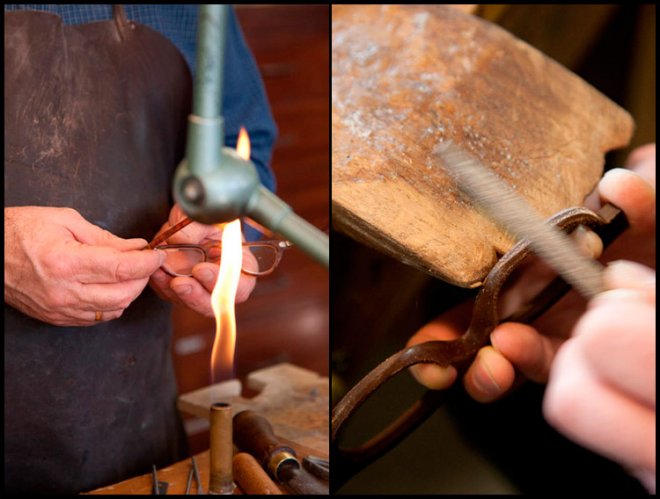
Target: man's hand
<point>601,391</point>
<point>600,363</point>
<point>195,292</point>
<point>62,270</point>
<point>530,349</point>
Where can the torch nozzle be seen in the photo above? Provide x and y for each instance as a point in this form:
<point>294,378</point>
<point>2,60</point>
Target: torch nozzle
<point>213,184</point>
<point>270,211</point>
<point>233,190</point>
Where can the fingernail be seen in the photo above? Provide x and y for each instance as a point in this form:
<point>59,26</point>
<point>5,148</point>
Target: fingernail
<point>162,255</point>
<point>580,235</point>
<point>433,376</point>
<point>616,176</point>
<point>138,242</point>
<point>595,244</point>
<point>183,289</point>
<point>623,273</point>
<point>588,241</point>
<point>617,172</point>
<point>495,339</point>
<point>207,275</point>
<point>619,296</point>
<point>485,381</point>
<point>489,390</point>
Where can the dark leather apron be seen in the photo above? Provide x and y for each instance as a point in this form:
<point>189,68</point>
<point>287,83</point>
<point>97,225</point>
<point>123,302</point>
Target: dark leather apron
<point>95,120</point>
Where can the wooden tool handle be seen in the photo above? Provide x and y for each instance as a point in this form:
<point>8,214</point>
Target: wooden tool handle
<point>254,434</point>
<point>251,477</point>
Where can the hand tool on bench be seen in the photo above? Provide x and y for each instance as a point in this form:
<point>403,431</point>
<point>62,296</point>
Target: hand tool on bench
<point>251,477</point>
<point>318,467</point>
<point>200,488</point>
<point>159,488</point>
<point>193,473</point>
<point>254,434</point>
<point>189,481</point>
<point>408,80</point>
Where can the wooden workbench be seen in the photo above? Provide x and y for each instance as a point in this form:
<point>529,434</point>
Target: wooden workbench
<point>176,475</point>
<point>294,400</point>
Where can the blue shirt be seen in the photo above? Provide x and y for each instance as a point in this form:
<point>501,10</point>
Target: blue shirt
<point>244,100</point>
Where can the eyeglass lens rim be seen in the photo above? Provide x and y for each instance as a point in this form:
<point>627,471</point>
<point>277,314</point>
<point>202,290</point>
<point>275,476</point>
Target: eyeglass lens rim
<point>273,244</point>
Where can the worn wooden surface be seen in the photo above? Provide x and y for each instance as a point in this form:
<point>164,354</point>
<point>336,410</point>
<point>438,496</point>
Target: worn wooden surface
<point>177,475</point>
<point>406,78</point>
<point>294,400</point>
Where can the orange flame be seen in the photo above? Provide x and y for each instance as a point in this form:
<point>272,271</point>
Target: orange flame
<point>243,144</point>
<point>224,293</point>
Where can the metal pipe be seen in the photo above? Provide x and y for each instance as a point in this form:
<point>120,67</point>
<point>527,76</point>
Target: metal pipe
<point>205,124</point>
<point>213,184</point>
<point>211,38</point>
<point>221,450</point>
<point>269,210</point>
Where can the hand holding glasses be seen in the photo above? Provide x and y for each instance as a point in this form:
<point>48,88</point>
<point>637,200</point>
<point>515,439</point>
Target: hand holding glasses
<point>181,258</point>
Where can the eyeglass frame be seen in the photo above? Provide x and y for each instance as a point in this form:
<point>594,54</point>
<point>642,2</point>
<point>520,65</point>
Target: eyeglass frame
<point>279,245</point>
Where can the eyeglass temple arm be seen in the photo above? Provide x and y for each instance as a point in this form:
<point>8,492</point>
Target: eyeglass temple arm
<point>162,237</point>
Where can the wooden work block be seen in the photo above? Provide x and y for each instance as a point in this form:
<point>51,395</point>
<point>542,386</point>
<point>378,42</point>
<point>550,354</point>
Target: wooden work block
<point>406,78</point>
<point>294,400</point>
